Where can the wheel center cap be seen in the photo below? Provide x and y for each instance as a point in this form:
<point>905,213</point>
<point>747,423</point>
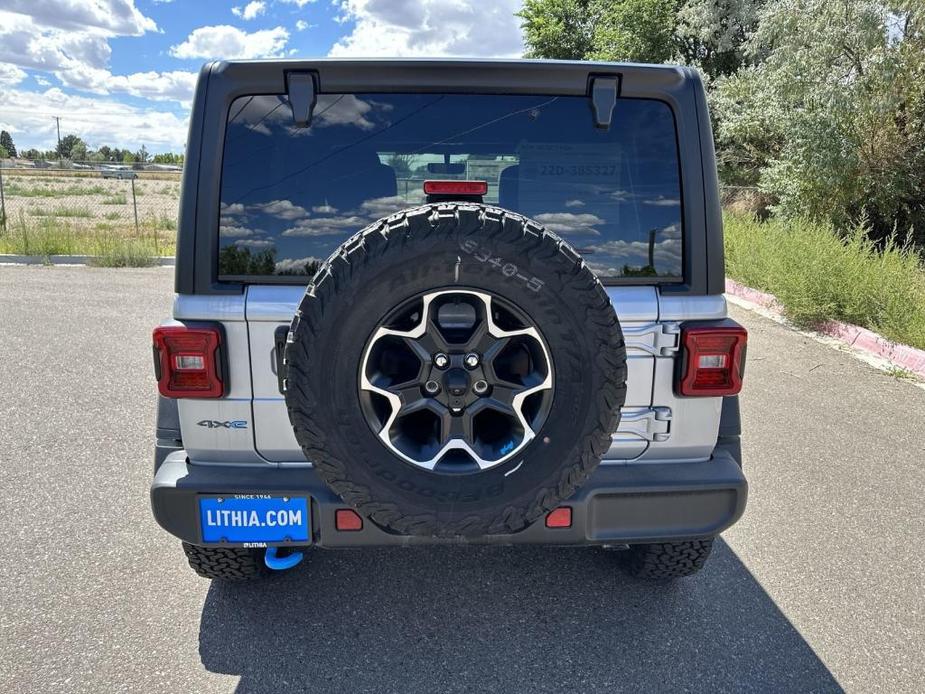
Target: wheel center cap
<point>456,382</point>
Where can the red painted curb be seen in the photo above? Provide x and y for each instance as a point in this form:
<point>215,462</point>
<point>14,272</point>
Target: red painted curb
<point>901,355</point>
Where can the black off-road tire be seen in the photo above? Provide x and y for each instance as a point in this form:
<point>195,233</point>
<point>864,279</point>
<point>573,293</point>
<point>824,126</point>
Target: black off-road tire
<point>445,246</point>
<point>226,563</point>
<point>667,560</point>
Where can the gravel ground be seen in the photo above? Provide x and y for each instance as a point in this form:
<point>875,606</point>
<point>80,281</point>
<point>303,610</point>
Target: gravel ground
<point>818,588</point>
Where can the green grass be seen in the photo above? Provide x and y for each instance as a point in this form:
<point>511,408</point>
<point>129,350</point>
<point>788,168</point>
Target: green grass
<point>60,212</point>
<point>113,246</point>
<point>17,189</point>
<point>117,199</point>
<point>818,275</point>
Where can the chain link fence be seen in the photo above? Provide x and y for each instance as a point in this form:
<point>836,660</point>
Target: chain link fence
<point>88,205</point>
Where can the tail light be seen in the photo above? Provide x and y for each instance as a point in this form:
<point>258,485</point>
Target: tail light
<point>713,360</point>
<point>456,187</point>
<point>188,361</point>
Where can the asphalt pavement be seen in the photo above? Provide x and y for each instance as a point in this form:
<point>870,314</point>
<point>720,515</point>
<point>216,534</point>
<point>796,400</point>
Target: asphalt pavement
<point>818,588</point>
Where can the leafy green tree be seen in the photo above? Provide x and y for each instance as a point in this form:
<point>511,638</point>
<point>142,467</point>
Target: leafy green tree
<point>4,154</point>
<point>712,33</point>
<point>829,118</point>
<point>68,142</point>
<point>31,153</point>
<point>6,141</point>
<point>709,34</point>
<point>142,154</point>
<point>560,29</point>
<point>638,31</point>
<point>79,152</point>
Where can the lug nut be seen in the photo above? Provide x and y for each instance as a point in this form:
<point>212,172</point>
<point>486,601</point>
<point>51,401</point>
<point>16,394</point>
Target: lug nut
<point>480,387</point>
<point>441,361</point>
<point>472,360</point>
<point>432,387</point>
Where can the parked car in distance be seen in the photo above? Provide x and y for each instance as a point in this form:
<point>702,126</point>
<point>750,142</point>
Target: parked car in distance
<point>115,171</point>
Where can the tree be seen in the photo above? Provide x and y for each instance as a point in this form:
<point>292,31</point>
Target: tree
<point>830,117</point>
<point>560,29</point>
<point>31,154</point>
<point>67,144</point>
<point>638,31</point>
<point>142,154</point>
<point>708,34</point>
<point>4,154</point>
<point>78,152</point>
<point>6,141</point>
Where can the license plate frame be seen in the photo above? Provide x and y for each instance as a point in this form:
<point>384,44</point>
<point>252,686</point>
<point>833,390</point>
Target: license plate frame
<point>254,520</point>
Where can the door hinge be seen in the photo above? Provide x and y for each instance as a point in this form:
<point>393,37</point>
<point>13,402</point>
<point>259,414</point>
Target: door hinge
<point>658,339</point>
<point>650,423</point>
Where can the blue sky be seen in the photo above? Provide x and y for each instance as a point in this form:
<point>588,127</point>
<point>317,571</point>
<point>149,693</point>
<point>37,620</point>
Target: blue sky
<point>122,72</point>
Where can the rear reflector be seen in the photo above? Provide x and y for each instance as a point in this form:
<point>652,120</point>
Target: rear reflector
<point>559,517</point>
<point>347,519</point>
<point>712,363</point>
<point>456,187</point>
<point>187,361</point>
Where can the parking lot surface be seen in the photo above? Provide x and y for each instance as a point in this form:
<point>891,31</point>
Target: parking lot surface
<point>818,588</point>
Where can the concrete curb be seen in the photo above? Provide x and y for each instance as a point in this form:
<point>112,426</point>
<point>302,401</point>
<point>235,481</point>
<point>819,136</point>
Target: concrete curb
<point>861,339</point>
<point>9,259</point>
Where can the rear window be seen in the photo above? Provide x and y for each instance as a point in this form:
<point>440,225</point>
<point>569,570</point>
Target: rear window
<point>290,196</point>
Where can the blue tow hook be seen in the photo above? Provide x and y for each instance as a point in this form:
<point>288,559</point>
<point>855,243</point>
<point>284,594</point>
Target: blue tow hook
<point>278,563</point>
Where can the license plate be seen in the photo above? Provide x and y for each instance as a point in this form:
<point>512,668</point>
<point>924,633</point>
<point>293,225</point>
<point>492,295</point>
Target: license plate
<point>254,518</point>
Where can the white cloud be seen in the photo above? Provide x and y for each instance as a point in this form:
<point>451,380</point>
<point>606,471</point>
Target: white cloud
<point>98,121</point>
<point>302,25</point>
<point>251,10</point>
<point>325,226</point>
<point>253,243</point>
<point>52,39</point>
<point>282,209</point>
<point>112,17</point>
<point>300,3</point>
<point>10,74</point>
<point>229,231</point>
<point>296,266</point>
<point>431,28</point>
<point>569,223</point>
<point>229,42</point>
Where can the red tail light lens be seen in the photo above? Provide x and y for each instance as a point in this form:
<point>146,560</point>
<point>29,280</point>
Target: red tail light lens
<point>713,359</point>
<point>456,187</point>
<point>187,361</point>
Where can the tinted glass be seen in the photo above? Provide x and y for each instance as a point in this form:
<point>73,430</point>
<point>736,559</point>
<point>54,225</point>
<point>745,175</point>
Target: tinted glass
<point>290,196</point>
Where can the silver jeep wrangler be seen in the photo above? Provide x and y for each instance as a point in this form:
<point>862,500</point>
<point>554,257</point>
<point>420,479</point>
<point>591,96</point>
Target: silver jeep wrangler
<point>448,301</point>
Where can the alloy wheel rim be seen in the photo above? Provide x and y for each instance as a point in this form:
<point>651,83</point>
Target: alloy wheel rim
<point>456,381</point>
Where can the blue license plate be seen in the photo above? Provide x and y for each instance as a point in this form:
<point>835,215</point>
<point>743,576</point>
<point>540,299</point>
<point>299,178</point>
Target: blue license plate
<point>254,518</point>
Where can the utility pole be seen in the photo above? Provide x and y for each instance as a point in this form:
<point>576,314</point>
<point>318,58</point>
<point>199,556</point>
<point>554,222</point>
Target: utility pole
<point>58,123</point>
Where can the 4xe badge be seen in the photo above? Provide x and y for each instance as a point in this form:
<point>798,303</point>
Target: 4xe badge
<point>215,424</point>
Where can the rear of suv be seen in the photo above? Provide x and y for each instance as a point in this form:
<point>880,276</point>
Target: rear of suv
<point>448,301</point>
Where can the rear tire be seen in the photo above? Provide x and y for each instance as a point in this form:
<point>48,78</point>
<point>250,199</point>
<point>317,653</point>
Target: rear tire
<point>226,563</point>
<point>667,560</point>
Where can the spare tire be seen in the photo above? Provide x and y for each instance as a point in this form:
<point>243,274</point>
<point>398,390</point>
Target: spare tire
<point>455,370</point>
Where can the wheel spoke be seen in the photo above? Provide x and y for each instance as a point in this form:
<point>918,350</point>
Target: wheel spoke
<point>458,427</point>
<point>412,399</point>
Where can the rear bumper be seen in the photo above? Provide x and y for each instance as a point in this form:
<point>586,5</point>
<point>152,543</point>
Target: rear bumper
<point>620,504</point>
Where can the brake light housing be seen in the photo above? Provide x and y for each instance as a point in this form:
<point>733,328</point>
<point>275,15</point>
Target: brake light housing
<point>713,360</point>
<point>455,190</point>
<point>188,361</point>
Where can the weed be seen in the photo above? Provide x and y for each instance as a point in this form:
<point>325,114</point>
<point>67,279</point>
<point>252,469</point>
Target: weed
<point>818,275</point>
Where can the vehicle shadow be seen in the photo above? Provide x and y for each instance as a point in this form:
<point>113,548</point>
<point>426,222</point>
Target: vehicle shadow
<point>499,619</point>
